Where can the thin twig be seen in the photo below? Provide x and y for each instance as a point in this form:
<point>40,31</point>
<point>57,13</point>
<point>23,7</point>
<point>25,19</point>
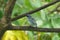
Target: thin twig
<point>33,11</point>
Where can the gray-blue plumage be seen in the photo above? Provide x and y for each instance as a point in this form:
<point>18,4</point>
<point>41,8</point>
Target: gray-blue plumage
<point>31,20</point>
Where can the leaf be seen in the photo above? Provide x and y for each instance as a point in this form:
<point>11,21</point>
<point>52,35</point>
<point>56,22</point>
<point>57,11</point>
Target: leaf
<point>55,37</point>
<point>48,0</point>
<point>45,37</point>
<point>1,14</point>
<point>56,20</point>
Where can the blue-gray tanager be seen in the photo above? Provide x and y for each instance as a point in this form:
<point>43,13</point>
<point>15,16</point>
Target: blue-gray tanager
<point>31,20</point>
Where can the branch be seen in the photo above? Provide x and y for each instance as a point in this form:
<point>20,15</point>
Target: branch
<point>30,28</point>
<point>6,20</point>
<point>2,31</point>
<point>8,10</point>
<point>33,11</point>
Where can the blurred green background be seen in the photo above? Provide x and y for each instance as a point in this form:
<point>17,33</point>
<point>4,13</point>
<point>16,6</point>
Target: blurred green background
<point>44,19</point>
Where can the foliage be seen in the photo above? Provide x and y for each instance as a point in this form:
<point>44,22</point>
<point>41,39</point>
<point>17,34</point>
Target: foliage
<point>42,18</point>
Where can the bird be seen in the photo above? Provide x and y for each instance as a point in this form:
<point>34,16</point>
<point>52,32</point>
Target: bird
<point>31,20</point>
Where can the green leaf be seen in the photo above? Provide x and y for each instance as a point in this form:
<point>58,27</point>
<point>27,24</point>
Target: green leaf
<point>48,0</point>
<point>55,37</point>
<point>1,14</point>
<point>56,20</point>
<point>45,37</point>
